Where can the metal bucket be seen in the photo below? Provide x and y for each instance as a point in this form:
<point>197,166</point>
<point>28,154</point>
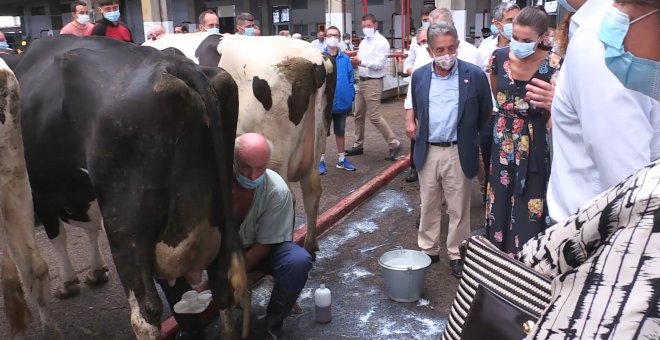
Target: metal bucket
<point>404,271</point>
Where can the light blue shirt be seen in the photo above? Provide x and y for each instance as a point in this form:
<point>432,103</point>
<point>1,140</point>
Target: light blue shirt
<point>443,107</point>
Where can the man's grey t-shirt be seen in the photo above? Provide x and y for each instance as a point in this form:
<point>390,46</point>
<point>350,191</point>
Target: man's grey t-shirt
<point>270,218</point>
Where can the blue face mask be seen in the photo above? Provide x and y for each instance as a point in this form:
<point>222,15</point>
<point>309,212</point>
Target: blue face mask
<point>522,50</point>
<point>508,31</point>
<point>249,31</point>
<point>112,16</point>
<point>249,184</point>
<point>567,6</point>
<point>635,73</point>
<point>494,29</point>
<point>3,44</point>
<point>213,30</point>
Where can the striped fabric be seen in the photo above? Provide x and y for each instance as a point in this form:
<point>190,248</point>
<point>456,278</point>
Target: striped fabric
<point>487,265</point>
<point>605,265</point>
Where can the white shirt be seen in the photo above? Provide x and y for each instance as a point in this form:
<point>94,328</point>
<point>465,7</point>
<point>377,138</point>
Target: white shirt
<point>412,56</point>
<point>590,14</point>
<point>373,56</point>
<point>602,132</point>
<point>466,52</point>
<point>320,45</point>
<point>486,50</point>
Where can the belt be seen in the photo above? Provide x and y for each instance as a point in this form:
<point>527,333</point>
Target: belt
<point>443,144</point>
<point>369,78</point>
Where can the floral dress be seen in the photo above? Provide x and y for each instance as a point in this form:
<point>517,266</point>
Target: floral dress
<point>516,210</point>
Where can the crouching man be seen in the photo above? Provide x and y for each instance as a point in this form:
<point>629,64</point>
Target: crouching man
<point>263,203</point>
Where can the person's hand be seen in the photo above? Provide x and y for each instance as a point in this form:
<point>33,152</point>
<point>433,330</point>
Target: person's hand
<point>548,126</point>
<point>355,61</point>
<point>411,129</point>
<point>540,93</point>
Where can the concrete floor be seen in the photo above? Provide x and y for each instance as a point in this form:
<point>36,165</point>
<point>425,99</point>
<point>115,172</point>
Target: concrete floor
<point>347,263</point>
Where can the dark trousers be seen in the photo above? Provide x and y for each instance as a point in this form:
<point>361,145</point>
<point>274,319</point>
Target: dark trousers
<point>486,139</point>
<point>289,264</point>
<point>412,153</point>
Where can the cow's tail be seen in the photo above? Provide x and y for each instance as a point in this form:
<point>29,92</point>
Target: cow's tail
<point>238,277</point>
<point>16,307</point>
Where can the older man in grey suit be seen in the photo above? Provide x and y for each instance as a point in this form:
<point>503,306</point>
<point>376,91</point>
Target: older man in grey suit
<point>451,103</point>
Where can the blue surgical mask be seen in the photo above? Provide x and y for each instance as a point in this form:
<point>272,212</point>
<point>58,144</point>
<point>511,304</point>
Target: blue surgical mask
<point>567,6</point>
<point>508,31</point>
<point>249,31</point>
<point>426,24</point>
<point>522,50</point>
<point>635,73</point>
<point>494,29</point>
<point>213,30</point>
<point>249,184</point>
<point>3,44</point>
<point>112,16</point>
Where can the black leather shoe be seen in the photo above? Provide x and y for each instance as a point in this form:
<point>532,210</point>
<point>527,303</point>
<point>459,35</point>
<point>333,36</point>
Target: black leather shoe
<point>456,268</point>
<point>412,175</point>
<point>394,154</point>
<point>354,151</point>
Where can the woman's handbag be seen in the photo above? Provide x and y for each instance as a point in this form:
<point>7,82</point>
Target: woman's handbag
<point>497,298</point>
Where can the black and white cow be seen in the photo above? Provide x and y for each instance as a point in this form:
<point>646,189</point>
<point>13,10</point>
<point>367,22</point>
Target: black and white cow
<point>286,88</point>
<point>139,137</point>
<point>21,260</point>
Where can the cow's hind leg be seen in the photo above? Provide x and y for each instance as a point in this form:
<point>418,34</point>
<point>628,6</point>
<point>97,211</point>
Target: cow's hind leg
<point>69,283</point>
<point>311,192</point>
<point>98,271</point>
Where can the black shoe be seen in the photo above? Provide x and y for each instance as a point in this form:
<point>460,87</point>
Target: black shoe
<point>412,175</point>
<point>419,220</point>
<point>434,258</point>
<point>190,335</point>
<point>280,305</point>
<point>354,151</point>
<point>456,268</point>
<point>394,154</point>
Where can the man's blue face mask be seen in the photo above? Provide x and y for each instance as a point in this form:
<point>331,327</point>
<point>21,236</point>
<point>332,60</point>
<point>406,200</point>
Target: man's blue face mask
<point>249,31</point>
<point>635,73</point>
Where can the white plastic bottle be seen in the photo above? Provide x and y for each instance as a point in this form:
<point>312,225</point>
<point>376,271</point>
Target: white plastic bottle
<point>322,299</point>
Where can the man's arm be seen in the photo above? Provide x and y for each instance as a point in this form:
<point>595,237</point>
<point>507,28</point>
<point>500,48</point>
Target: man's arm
<point>255,255</point>
<point>380,60</point>
<point>615,124</point>
<point>485,100</point>
<point>410,59</point>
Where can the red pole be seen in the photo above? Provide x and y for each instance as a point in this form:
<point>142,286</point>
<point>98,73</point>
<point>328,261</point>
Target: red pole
<point>365,7</point>
<point>403,26</point>
<point>408,24</point>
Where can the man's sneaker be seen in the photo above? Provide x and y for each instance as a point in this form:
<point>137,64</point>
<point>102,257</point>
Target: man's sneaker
<point>346,165</point>
<point>393,155</point>
<point>355,151</point>
<point>322,169</point>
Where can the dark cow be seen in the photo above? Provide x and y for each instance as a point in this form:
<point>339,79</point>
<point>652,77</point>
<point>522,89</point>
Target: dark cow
<point>141,134</point>
<point>286,88</point>
<point>23,268</point>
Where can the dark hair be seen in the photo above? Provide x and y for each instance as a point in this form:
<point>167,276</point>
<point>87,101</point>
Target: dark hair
<point>534,17</point>
<point>371,17</point>
<point>650,3</point>
<point>333,28</point>
<point>76,4</point>
<point>184,28</point>
<point>107,2</point>
<point>427,9</point>
<point>206,11</point>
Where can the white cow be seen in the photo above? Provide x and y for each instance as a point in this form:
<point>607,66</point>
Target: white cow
<point>286,88</point>
<point>21,261</point>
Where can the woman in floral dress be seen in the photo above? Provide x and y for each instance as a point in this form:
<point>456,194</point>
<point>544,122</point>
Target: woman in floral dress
<point>520,168</point>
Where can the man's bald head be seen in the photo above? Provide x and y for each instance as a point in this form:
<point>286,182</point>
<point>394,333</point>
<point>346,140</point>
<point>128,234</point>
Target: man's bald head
<point>252,153</point>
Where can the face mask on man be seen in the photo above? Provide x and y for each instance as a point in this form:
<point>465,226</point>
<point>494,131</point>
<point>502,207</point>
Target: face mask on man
<point>426,24</point>
<point>249,31</point>
<point>508,31</point>
<point>249,184</point>
<point>522,50</point>
<point>112,16</point>
<point>82,19</point>
<point>213,30</point>
<point>445,62</point>
<point>332,41</point>
<point>635,73</point>
<point>493,29</point>
<point>3,44</point>
<point>369,32</point>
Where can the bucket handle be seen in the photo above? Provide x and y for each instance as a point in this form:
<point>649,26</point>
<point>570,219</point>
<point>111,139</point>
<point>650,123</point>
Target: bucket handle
<point>400,248</point>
